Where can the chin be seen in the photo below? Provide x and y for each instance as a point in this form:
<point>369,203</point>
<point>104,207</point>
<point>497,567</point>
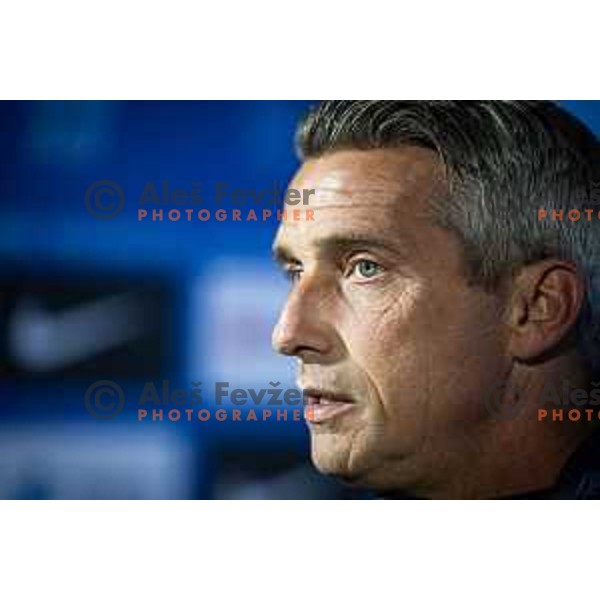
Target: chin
<point>363,467</point>
<point>333,455</point>
<point>330,456</point>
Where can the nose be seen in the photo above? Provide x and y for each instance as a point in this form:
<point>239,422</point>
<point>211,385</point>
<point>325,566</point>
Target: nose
<point>304,328</point>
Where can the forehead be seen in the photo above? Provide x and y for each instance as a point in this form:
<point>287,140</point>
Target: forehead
<point>385,193</point>
<point>398,169</point>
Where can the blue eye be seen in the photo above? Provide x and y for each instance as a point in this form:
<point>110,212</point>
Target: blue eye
<point>367,269</point>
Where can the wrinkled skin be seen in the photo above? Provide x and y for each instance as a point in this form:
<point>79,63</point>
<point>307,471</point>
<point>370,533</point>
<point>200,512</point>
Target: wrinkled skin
<point>380,309</point>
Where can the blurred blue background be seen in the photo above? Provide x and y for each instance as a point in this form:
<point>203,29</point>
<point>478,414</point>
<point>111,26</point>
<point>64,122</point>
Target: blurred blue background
<point>143,301</point>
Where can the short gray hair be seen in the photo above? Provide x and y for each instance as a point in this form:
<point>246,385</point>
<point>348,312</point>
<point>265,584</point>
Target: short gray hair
<point>504,161</point>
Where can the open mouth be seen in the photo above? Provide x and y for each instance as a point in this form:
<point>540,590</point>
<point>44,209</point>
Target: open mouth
<point>323,405</point>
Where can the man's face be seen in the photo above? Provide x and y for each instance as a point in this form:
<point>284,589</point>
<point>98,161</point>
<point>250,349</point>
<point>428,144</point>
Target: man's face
<point>394,344</point>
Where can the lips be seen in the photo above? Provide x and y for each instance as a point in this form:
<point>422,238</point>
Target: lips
<point>324,405</point>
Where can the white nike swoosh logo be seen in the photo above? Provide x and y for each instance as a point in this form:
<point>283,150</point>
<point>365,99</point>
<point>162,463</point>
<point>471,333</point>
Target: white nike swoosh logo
<point>42,340</point>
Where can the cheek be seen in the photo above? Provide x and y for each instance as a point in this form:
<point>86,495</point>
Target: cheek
<point>422,352</point>
<point>374,316</point>
<point>382,339</point>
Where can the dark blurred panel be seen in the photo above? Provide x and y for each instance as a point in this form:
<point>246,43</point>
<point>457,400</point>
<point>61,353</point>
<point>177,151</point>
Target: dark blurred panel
<point>75,326</point>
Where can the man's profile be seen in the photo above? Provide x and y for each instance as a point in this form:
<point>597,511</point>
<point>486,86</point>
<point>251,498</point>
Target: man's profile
<point>427,280</point>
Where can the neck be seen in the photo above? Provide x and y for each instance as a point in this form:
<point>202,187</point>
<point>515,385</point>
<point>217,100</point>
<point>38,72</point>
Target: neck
<point>510,460</point>
<point>500,458</point>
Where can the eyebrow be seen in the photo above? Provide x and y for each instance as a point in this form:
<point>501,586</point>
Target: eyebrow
<point>337,244</point>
